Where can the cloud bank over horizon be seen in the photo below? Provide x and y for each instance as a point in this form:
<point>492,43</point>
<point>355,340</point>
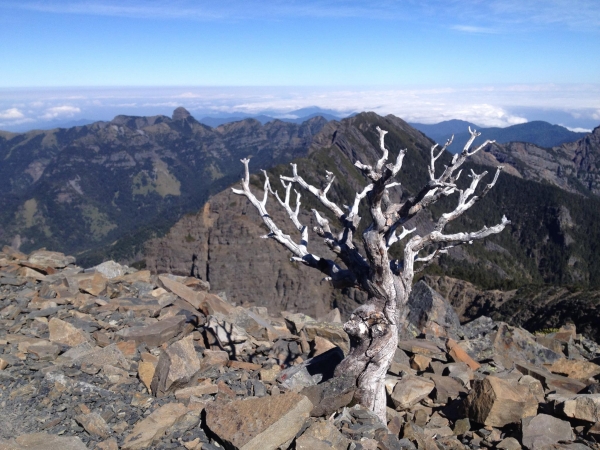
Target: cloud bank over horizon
<point>573,106</point>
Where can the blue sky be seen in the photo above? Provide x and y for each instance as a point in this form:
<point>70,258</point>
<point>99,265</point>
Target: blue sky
<point>501,61</point>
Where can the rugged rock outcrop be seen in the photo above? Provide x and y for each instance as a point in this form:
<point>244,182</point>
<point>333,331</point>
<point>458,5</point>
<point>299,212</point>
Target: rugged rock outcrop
<point>573,166</point>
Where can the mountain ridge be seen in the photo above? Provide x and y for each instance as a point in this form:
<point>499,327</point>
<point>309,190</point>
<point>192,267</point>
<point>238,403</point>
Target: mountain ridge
<point>537,132</point>
<point>546,244</point>
<point>79,188</point>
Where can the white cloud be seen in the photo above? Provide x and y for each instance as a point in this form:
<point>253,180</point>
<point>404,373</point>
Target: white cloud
<point>11,114</point>
<point>579,130</point>
<point>474,29</point>
<point>484,105</point>
<point>60,111</point>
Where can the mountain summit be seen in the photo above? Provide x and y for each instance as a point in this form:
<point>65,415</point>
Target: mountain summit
<point>181,113</point>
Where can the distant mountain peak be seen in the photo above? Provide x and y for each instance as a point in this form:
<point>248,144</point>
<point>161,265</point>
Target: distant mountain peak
<point>181,113</point>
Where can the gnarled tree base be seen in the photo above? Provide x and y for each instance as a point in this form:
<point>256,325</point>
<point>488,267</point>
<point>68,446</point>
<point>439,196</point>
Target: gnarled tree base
<point>373,340</point>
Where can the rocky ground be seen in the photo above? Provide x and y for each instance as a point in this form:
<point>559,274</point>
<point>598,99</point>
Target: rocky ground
<point>111,358</point>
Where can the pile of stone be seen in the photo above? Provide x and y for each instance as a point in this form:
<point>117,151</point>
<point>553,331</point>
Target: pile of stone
<point>110,357</point>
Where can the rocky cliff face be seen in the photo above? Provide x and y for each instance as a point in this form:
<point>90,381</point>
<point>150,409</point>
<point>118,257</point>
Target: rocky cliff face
<point>84,187</point>
<point>225,235</point>
<point>574,167</point>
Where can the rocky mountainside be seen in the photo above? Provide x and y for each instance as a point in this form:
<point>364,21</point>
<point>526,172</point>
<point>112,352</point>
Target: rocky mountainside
<point>553,238</point>
<point>119,183</point>
<point>537,132</point>
<point>115,358</point>
<point>574,167</point>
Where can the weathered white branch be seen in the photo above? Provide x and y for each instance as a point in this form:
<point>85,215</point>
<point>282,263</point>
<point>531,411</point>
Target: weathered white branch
<point>353,212</point>
<point>339,276</point>
<point>398,165</point>
<point>467,198</point>
<point>384,158</point>
<point>433,255</point>
<point>434,158</point>
<point>320,194</point>
<point>293,214</point>
<point>393,238</point>
<point>427,260</point>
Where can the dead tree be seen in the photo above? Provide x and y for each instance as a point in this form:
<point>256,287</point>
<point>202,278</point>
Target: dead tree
<point>373,327</point>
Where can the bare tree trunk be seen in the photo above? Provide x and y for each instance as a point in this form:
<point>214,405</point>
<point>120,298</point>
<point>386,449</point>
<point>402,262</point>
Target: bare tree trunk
<point>373,327</point>
<point>373,341</point>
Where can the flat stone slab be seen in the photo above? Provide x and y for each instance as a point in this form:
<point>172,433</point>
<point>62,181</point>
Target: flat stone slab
<point>154,334</point>
<point>497,402</point>
<point>43,441</point>
<point>583,407</point>
<point>544,430</point>
<point>259,423</point>
<point>153,427</point>
<point>423,347</point>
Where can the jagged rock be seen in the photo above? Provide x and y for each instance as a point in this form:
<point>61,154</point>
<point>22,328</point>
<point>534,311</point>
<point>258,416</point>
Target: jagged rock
<point>227,335</point>
<point>109,444</point>
<point>176,367</point>
<point>535,387</point>
<point>258,423</point>
<point>29,273</point>
<point>296,378</point>
<point>430,312</point>
<point>92,283</point>
<point>512,344</point>
<point>44,441</point>
<point>98,373</point>
<point>322,435</point>
<point>461,427</point>
<point>181,290</point>
<point>270,375</point>
<point>153,427</point>
<point>457,354</point>
<point>213,304</point>
<point>544,430</point>
<point>255,326</point>
<point>111,269</point>
<point>146,371</point>
<point>333,332</point>
<point>583,407</point>
<point>55,260</point>
<point>155,334</point>
<point>86,354</point>
<point>410,390</point>
<point>497,402</point>
<point>94,424</point>
<point>420,362</point>
<point>197,391</point>
<point>461,372</point>
<point>446,388</point>
<point>558,383</point>
<point>64,333</point>
<point>333,316</point>
<point>423,347</point>
<point>45,351</point>
<point>321,345</point>
<point>331,395</point>
<point>581,370</point>
<point>509,443</point>
<point>213,359</point>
